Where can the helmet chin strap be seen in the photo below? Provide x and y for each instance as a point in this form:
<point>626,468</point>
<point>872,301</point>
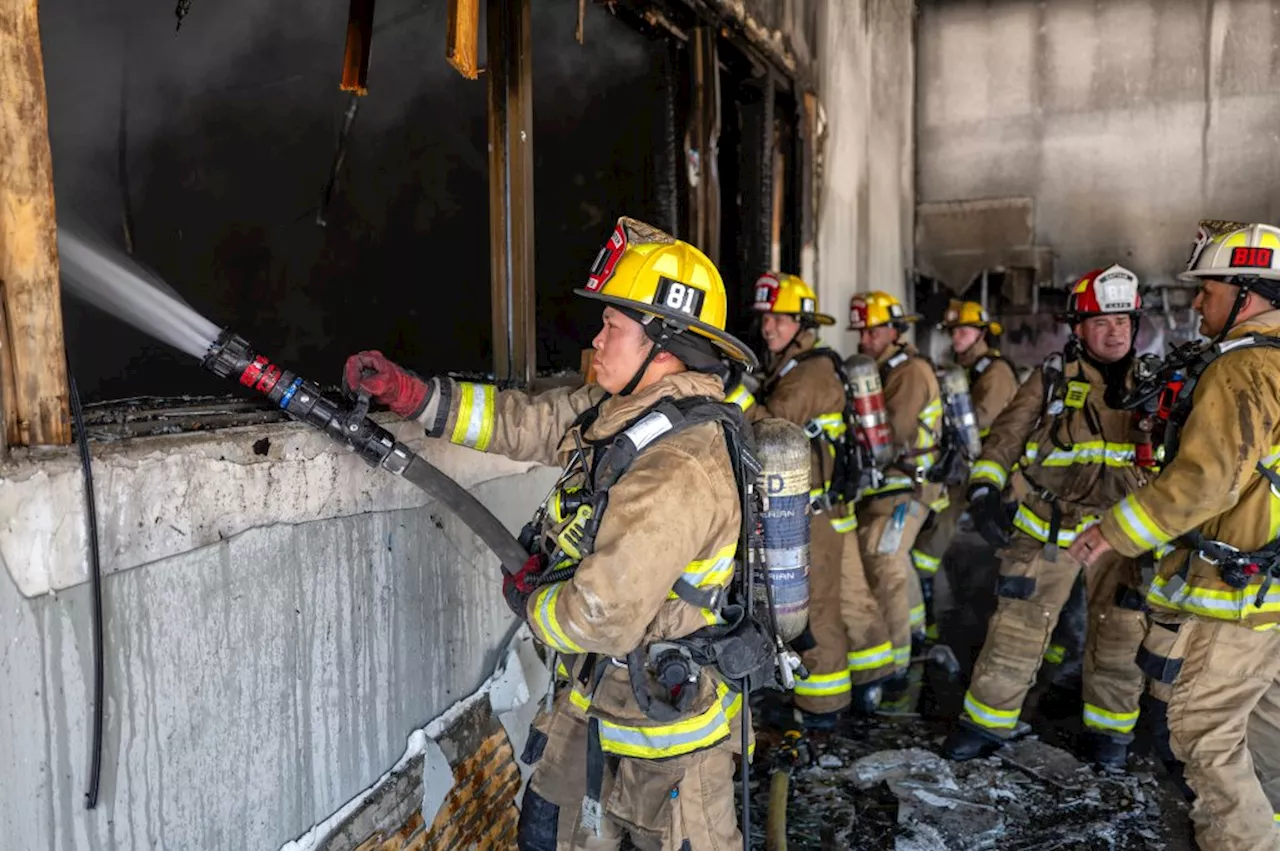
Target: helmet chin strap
<point>644,367</point>
<point>1243,288</point>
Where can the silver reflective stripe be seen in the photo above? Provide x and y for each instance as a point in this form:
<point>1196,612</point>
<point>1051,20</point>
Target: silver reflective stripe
<point>648,430</point>
<point>480,407</point>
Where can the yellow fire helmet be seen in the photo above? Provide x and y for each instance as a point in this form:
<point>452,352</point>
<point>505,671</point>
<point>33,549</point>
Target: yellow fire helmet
<point>644,270</point>
<point>876,308</point>
<point>778,292</point>
<point>970,314</point>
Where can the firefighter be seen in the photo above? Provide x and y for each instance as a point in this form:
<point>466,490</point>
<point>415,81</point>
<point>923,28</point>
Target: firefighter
<point>663,548</point>
<point>1215,647</point>
<point>802,385</point>
<point>993,381</point>
<point>882,603</point>
<point>1075,450</point>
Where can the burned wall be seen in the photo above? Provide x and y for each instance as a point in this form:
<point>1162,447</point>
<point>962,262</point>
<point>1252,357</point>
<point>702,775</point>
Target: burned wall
<point>1125,121</point>
<point>214,145</point>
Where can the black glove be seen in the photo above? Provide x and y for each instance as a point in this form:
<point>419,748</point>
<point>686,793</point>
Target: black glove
<point>989,516</point>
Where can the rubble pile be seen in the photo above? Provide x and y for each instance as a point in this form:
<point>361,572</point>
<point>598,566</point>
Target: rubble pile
<point>882,785</point>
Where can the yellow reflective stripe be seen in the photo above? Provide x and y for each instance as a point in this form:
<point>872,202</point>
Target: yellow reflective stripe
<point>1136,524</point>
<point>983,432</point>
<point>871,658</point>
<point>832,424</point>
<point>924,562</point>
<point>741,397</point>
<point>902,656</point>
<point>676,739</point>
<point>474,425</point>
<point>824,685</point>
<point>988,471</point>
<point>579,699</point>
<point>940,504</point>
<point>717,570</point>
<point>917,618</point>
<point>561,670</point>
<point>1276,817</point>
<point>1028,522</point>
<point>844,525</point>
<point>931,632</point>
<point>1229,605</point>
<point>1092,452</point>
<point>1030,452</point>
<point>708,572</point>
<point>1055,654</point>
<point>986,716</point>
<point>545,623</point>
<point>931,414</point>
<point>1111,722</point>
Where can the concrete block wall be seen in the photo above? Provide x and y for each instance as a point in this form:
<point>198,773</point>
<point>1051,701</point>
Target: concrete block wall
<point>261,674</point>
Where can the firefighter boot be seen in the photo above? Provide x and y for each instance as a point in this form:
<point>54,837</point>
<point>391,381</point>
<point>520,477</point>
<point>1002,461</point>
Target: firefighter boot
<point>1105,751</point>
<point>820,722</point>
<point>867,697</point>
<point>968,742</point>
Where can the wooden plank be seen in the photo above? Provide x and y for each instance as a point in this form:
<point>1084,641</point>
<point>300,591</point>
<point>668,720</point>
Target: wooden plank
<point>462,41</point>
<point>511,228</point>
<point>355,58</point>
<point>35,397</point>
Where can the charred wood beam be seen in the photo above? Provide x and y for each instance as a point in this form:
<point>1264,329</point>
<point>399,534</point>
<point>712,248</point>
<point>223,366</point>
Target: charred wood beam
<point>733,23</point>
<point>511,224</point>
<point>757,189</point>
<point>35,396</point>
<point>667,149</point>
<point>355,58</point>
<point>462,46</point>
<point>701,144</point>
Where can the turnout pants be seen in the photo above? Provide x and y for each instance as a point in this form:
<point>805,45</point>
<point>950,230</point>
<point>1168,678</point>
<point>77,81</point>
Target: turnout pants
<point>685,802</point>
<point>1032,591</point>
<point>827,688</point>
<point>1219,686</point>
<point>880,587</point>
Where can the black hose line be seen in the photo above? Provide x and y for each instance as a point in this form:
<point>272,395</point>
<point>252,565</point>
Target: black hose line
<point>95,566</point>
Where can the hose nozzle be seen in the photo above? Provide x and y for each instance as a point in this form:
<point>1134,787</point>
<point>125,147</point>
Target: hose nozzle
<point>231,356</point>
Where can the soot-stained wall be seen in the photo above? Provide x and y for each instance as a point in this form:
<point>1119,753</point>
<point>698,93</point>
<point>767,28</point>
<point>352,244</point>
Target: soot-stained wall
<point>1126,121</point>
<point>218,142</point>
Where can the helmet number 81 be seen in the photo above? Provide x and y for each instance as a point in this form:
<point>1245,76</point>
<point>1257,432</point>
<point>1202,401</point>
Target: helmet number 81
<point>682,297</point>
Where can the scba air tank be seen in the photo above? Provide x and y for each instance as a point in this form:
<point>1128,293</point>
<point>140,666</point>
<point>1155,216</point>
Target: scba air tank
<point>783,451</point>
<point>867,393</point>
<point>957,403</point>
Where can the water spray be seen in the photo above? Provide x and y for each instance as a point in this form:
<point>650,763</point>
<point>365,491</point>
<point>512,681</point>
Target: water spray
<point>108,280</point>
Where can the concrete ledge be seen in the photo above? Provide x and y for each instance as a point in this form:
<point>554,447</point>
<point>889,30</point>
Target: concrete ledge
<point>161,496</point>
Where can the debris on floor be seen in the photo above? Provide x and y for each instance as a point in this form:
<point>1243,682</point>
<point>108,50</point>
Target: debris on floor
<point>881,784</point>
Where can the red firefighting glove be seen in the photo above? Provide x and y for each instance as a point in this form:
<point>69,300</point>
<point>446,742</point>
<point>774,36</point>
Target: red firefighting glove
<point>398,389</point>
<point>517,587</point>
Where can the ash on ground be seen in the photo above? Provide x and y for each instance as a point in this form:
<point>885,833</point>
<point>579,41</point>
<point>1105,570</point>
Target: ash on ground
<point>881,783</point>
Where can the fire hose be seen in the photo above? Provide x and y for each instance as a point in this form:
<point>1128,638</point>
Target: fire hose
<point>232,357</point>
